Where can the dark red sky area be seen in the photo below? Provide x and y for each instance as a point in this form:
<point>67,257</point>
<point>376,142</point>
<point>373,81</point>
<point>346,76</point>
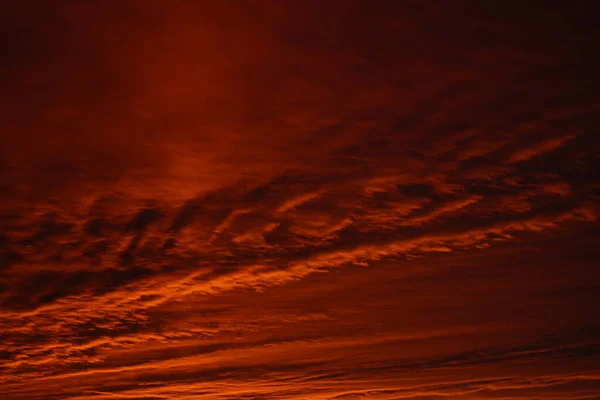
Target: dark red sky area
<point>326,200</point>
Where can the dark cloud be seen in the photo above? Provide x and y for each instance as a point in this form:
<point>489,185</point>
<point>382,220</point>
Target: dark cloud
<point>142,219</point>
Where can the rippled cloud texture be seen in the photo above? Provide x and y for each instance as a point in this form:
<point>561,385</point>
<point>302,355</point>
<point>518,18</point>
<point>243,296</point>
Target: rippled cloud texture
<point>299,200</point>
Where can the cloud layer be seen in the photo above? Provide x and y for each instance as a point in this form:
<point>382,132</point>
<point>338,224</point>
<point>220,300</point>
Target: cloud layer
<point>258,200</point>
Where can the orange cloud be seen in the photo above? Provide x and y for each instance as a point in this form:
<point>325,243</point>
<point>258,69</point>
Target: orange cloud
<point>273,200</point>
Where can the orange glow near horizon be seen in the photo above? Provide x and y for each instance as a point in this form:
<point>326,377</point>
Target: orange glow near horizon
<point>299,200</point>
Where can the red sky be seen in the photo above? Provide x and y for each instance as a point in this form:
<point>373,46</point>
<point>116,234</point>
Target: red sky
<point>299,200</point>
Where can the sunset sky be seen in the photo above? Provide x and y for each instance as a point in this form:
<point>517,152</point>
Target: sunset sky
<point>299,199</point>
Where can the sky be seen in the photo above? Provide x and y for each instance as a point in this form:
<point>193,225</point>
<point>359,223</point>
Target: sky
<point>328,200</point>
